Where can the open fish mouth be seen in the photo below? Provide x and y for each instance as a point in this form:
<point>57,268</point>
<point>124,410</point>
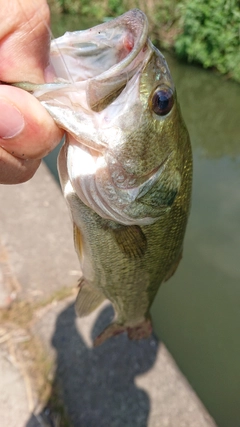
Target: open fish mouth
<point>98,52</point>
<point>103,58</point>
<point>92,68</point>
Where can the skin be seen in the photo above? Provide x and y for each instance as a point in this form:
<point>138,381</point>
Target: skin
<point>27,131</point>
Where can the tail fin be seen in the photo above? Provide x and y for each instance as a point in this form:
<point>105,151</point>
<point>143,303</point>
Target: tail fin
<point>137,332</point>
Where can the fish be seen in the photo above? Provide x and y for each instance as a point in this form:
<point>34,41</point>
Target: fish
<point>125,167</point>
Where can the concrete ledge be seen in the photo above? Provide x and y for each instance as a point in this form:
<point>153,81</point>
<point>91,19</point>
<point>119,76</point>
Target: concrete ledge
<point>13,397</point>
<point>36,238</point>
<point>121,383</point>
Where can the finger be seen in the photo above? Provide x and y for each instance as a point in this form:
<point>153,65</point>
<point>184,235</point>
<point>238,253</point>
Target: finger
<point>16,171</point>
<point>27,131</point>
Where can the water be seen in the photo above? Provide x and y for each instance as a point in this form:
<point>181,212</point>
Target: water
<point>197,313</point>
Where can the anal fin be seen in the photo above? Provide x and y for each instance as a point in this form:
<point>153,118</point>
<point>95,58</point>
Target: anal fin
<point>88,299</point>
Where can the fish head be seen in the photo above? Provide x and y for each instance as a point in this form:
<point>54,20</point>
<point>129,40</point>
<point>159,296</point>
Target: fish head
<point>146,142</point>
<point>140,126</point>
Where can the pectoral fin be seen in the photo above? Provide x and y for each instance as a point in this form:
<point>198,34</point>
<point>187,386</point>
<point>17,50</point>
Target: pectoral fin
<point>131,240</point>
<point>88,299</point>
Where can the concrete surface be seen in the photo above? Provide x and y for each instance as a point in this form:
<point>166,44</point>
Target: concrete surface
<point>36,237</point>
<point>14,408</point>
<point>119,384</point>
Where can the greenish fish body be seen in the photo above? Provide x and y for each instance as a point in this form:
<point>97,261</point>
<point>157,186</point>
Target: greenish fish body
<point>125,167</point>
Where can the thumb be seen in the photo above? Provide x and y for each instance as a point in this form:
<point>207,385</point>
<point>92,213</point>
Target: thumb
<point>26,128</point>
<point>27,133</point>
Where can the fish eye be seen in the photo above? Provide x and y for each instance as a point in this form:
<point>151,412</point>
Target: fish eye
<point>162,100</point>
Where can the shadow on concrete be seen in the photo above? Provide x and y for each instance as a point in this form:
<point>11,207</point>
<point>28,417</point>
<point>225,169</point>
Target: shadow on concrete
<point>97,385</point>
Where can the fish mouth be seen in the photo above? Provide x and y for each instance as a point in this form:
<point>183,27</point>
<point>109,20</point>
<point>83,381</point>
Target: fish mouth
<point>104,57</point>
<point>127,48</point>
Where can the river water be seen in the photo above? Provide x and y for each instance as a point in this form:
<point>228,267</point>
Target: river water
<point>197,313</point>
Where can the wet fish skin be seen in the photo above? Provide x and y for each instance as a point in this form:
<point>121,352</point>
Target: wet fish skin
<point>125,170</point>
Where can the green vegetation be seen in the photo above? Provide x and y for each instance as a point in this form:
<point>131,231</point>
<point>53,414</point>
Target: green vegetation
<point>201,31</point>
<point>211,35</point>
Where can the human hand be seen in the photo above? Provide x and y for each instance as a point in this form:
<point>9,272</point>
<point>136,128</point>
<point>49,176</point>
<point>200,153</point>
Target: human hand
<point>27,131</point>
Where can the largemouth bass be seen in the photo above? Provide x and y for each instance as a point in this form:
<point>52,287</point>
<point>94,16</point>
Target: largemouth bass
<point>125,167</point>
